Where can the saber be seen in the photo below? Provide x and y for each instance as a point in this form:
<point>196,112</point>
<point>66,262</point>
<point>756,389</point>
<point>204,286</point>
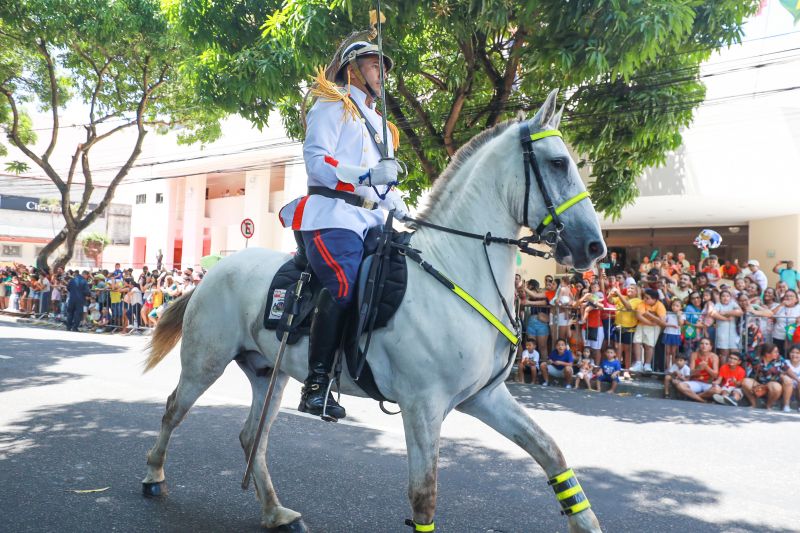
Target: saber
<point>305,277</point>
<point>383,83</point>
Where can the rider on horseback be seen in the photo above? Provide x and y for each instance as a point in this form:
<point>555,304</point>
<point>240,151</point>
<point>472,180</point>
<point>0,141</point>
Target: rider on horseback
<point>345,165</point>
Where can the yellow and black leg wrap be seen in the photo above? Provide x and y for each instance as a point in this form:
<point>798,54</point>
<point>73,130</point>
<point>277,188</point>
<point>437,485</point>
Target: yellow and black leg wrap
<point>426,528</point>
<point>569,493</point>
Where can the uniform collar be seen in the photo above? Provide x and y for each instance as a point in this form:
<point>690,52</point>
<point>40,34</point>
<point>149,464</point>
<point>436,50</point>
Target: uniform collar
<point>360,97</point>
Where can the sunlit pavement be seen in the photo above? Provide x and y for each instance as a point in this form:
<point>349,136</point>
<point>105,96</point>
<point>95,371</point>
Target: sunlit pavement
<point>78,414</point>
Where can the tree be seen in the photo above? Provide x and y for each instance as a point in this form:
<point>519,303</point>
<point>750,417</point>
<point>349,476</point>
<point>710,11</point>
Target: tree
<point>629,70</point>
<point>121,59</point>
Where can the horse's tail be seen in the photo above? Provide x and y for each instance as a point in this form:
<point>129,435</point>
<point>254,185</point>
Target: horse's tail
<point>168,331</point>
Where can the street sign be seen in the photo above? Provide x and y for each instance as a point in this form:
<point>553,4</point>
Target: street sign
<point>248,228</point>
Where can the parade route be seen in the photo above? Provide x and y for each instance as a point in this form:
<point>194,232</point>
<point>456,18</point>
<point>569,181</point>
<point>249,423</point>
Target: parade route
<point>79,415</point>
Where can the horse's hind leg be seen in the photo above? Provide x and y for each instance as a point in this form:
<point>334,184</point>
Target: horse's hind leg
<point>499,410</point>
<point>195,379</point>
<point>273,514</point>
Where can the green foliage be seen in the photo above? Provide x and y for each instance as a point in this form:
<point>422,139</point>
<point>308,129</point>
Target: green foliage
<point>97,237</point>
<point>17,167</point>
<point>106,54</point>
<point>628,69</point>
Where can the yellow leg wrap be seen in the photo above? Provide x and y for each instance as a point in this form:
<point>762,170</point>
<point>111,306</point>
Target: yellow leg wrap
<point>569,493</point>
<point>424,528</point>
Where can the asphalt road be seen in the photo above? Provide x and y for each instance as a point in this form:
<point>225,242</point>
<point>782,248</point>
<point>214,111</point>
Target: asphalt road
<point>77,414</point>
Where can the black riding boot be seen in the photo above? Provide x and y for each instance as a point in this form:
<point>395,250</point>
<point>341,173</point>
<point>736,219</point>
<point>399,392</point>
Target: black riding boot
<point>326,332</point>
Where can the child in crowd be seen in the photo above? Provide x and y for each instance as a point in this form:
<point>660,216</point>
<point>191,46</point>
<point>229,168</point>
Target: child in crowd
<point>678,372</point>
<point>792,371</point>
<point>559,364</point>
<point>672,332</point>
<point>585,370</point>
<point>530,359</point>
<point>101,324</point>
<point>611,369</point>
<point>729,381</point>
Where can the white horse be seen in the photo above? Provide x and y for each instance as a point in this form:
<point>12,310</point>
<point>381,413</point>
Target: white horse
<point>412,358</point>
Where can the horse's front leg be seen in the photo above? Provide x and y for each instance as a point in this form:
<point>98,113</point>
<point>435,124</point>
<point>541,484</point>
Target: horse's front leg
<point>422,421</point>
<point>499,410</point>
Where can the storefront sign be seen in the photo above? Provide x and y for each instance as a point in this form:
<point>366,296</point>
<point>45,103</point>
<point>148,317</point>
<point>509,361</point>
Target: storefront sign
<point>39,205</point>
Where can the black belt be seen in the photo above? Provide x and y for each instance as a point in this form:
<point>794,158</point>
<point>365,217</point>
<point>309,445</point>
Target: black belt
<point>348,197</point>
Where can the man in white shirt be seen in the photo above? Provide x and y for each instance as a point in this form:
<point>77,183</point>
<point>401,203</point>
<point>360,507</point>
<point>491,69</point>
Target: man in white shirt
<point>347,162</point>
<point>757,275</point>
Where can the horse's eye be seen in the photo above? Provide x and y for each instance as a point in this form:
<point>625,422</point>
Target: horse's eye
<point>558,162</point>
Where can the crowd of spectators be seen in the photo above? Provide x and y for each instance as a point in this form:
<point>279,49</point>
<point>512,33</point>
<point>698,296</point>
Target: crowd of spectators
<point>716,331</point>
<point>119,300</point>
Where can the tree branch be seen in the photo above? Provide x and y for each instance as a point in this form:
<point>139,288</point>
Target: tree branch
<point>423,116</point>
<point>504,85</point>
<point>416,144</point>
<point>459,98</point>
<point>51,72</point>
<point>434,79</point>
<point>15,139</point>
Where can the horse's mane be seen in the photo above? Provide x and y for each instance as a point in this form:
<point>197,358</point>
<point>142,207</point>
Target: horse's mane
<point>460,158</point>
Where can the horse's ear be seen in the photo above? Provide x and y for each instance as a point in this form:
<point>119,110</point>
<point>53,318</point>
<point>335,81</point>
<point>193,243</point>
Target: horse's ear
<point>545,114</point>
<point>556,120</point>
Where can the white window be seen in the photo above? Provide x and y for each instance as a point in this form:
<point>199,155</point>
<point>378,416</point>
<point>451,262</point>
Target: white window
<point>12,250</point>
<point>141,198</point>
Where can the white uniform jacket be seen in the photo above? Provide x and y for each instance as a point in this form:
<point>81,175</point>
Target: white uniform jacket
<point>334,137</point>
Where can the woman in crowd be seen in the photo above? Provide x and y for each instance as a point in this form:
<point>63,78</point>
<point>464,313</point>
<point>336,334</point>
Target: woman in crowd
<point>693,328</point>
<point>725,312</point>
<point>792,371</point>
<point>768,379</point>
<point>563,302</point>
<point>706,315</point>
<point>538,325</point>
<point>787,317</point>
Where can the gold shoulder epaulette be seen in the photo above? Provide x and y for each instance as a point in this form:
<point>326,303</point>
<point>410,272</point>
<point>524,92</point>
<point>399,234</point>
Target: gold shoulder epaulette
<point>328,91</point>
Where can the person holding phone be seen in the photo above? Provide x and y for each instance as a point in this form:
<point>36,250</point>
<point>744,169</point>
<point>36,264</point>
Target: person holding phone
<point>788,274</point>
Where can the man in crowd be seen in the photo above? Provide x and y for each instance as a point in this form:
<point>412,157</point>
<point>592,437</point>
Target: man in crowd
<point>757,275</point>
<point>651,315</point>
<point>685,265</point>
<point>78,289</point>
<point>788,275</point>
<point>683,289</point>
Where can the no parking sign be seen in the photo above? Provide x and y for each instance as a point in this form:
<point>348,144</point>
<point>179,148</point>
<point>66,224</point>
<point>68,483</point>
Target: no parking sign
<point>248,229</point>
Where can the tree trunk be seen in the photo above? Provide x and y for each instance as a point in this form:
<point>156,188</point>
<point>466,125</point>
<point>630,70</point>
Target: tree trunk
<point>50,247</point>
<point>64,258</point>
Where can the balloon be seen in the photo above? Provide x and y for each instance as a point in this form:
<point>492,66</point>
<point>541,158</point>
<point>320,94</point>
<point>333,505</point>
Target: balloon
<point>654,254</point>
<point>708,238</point>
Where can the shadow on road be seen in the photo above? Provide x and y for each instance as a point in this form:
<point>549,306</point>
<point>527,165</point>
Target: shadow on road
<point>33,357</point>
<point>343,478</point>
<point>643,410</point>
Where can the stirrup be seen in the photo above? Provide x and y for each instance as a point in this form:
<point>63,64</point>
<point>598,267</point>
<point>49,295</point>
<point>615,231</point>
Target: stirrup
<point>325,416</point>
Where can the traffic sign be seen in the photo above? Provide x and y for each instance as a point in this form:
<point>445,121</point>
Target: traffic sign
<point>248,228</point>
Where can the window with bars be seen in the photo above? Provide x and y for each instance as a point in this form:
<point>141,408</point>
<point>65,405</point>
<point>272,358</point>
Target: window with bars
<point>141,198</point>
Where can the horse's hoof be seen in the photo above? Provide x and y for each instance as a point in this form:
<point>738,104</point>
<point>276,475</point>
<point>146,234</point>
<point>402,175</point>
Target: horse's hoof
<point>295,526</point>
<point>154,490</point>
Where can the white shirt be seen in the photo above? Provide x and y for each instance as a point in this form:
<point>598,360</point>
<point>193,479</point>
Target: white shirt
<point>532,356</point>
<point>333,134</point>
<point>685,372</point>
<point>760,278</point>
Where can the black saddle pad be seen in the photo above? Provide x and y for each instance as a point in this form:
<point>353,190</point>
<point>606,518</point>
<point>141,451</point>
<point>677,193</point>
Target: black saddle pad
<point>281,295</point>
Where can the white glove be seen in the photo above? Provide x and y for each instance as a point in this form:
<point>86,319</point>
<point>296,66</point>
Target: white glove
<point>384,172</point>
<point>395,201</point>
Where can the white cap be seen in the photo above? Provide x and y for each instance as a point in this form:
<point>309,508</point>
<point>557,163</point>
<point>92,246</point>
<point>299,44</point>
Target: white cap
<point>753,262</point>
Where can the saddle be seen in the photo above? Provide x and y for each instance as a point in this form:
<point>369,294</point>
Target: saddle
<point>380,287</point>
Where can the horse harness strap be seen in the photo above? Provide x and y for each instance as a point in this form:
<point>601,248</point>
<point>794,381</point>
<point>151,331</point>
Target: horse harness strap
<point>513,337</point>
<point>425,528</point>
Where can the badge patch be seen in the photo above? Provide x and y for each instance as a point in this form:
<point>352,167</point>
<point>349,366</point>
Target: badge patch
<point>278,299</point>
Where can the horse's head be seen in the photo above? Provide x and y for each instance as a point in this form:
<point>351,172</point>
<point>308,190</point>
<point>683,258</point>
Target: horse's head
<point>548,195</point>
